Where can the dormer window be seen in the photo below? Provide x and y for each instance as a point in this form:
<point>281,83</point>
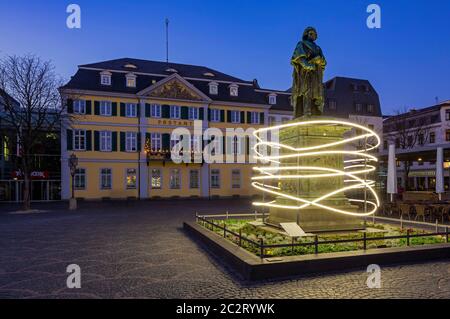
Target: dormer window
<point>234,90</point>
<point>213,88</point>
<point>130,66</point>
<point>105,78</point>
<point>171,70</point>
<point>272,99</point>
<point>209,74</point>
<point>131,80</point>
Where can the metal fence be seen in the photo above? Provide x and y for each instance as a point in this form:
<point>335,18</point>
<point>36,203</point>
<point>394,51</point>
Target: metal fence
<point>262,247</point>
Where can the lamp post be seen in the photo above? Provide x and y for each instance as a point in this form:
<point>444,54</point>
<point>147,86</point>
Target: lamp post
<point>73,163</point>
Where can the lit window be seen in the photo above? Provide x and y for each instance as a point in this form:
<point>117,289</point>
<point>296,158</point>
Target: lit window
<point>215,178</point>
<point>196,145</point>
<point>213,88</point>
<point>272,99</point>
<point>155,142</point>
<point>235,117</point>
<point>80,178</point>
<point>175,112</point>
<point>131,142</point>
<point>105,78</point>
<point>131,110</point>
<point>131,80</point>
<point>236,145</point>
<point>234,90</point>
<point>193,113</point>
<point>156,182</point>
<point>236,178</point>
<point>105,141</point>
<point>105,178</point>
<point>79,140</point>
<point>175,179</point>
<point>131,178</point>
<point>155,110</point>
<point>193,179</point>
<point>105,108</point>
<point>79,107</point>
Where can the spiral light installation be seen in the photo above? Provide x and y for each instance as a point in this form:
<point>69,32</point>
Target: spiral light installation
<point>357,164</point>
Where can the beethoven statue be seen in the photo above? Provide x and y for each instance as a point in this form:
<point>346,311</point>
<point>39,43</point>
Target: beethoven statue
<point>309,65</point>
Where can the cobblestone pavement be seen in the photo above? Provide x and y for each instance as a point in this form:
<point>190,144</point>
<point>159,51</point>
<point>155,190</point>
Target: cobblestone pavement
<point>138,250</point>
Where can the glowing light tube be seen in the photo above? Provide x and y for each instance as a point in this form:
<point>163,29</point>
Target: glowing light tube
<point>357,165</point>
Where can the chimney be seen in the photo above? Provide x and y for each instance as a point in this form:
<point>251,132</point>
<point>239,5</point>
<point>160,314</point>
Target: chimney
<point>255,83</point>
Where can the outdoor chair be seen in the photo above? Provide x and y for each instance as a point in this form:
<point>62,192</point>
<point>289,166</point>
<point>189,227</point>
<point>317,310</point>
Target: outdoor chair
<point>420,211</point>
<point>405,210</point>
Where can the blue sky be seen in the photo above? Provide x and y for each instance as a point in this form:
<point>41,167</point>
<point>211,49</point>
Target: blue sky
<point>407,60</point>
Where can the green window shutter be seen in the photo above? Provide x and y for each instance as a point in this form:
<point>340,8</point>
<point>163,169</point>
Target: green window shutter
<point>184,112</point>
<point>243,117</point>
<point>69,137</point>
<point>138,110</point>
<point>229,116</point>
<point>97,108</point>
<point>114,109</point>
<point>224,145</point>
<point>209,115</point>
<point>247,145</point>
<point>122,141</point>
<point>139,142</point>
<point>222,115</point>
<point>96,141</point>
<point>88,107</point>
<point>88,140</point>
<point>166,142</point>
<point>122,109</point>
<point>147,110</point>
<point>249,117</point>
<point>202,113</point>
<point>261,118</point>
<point>147,139</point>
<point>114,141</point>
<point>69,106</point>
<point>165,110</point>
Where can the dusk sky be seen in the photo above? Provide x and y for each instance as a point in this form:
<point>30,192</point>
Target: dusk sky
<point>407,60</point>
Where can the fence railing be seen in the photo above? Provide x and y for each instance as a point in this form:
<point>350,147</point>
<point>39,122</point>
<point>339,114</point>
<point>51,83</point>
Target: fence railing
<point>262,246</point>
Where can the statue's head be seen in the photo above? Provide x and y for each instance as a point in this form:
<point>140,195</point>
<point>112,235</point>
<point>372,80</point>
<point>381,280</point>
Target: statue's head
<point>310,34</point>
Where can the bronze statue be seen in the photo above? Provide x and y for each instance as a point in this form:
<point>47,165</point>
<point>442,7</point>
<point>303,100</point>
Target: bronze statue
<point>309,65</point>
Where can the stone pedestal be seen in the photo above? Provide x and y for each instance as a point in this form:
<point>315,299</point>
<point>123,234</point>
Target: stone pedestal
<point>313,218</point>
<point>72,204</point>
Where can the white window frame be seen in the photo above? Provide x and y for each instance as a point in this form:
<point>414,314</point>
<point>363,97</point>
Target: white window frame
<point>215,177</point>
<point>79,107</point>
<point>254,117</point>
<point>176,178</point>
<point>194,113</point>
<point>234,90</point>
<point>153,177</point>
<point>79,140</point>
<point>196,184</point>
<point>213,89</point>
<point>105,175</point>
<point>131,110</point>
<point>215,115</point>
<point>78,177</point>
<point>105,79</point>
<point>272,99</point>
<point>105,141</point>
<point>128,172</point>
<point>131,141</point>
<point>105,108</point>
<point>155,142</point>
<point>235,117</point>
<point>130,81</point>
<point>175,112</point>
<point>155,110</point>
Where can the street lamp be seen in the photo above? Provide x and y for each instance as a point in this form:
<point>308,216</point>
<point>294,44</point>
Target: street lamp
<point>73,163</point>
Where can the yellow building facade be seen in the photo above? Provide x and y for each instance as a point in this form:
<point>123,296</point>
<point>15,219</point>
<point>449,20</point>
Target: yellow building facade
<point>124,115</point>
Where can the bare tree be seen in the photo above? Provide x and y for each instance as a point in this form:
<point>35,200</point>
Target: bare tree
<point>407,132</point>
<point>32,106</point>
